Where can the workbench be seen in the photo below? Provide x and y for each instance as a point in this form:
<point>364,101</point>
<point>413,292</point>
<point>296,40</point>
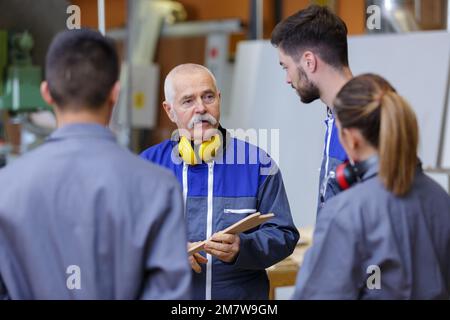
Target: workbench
<point>284,273</point>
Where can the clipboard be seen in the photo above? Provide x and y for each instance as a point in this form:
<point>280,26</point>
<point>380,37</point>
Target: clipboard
<point>243,225</point>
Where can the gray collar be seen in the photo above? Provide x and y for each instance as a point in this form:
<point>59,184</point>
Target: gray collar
<point>82,130</point>
<point>372,167</point>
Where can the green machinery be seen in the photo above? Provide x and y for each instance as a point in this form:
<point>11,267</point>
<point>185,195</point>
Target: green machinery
<point>20,82</point>
<point>19,79</point>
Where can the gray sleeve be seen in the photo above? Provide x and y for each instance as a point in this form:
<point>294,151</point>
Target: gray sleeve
<point>330,268</point>
<point>167,272</point>
<point>3,292</point>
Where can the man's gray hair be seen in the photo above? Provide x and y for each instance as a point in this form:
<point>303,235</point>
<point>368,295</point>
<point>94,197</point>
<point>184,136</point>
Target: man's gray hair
<point>169,90</point>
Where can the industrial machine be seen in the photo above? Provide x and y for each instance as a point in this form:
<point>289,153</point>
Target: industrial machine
<point>26,30</point>
<point>20,81</point>
<point>19,78</point>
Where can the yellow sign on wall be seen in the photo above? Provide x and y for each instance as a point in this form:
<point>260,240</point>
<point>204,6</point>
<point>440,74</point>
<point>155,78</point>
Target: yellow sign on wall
<point>139,100</point>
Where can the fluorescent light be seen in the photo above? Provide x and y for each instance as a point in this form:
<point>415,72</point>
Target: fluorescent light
<point>388,5</point>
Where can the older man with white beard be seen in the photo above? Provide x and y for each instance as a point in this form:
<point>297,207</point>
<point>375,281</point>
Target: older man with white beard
<point>224,180</point>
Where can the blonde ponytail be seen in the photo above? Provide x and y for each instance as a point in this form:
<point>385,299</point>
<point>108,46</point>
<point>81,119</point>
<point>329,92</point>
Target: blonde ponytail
<point>398,142</point>
<point>370,104</point>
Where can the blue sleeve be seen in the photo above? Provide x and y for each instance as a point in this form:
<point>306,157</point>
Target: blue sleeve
<point>159,154</point>
<point>147,154</point>
<point>276,239</point>
<point>167,271</point>
<point>330,269</point>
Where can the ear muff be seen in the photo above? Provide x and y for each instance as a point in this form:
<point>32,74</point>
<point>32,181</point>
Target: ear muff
<point>207,150</point>
<point>187,152</point>
<point>346,175</point>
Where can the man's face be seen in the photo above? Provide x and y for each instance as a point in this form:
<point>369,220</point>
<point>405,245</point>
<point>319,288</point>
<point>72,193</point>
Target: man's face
<point>196,105</point>
<point>297,77</point>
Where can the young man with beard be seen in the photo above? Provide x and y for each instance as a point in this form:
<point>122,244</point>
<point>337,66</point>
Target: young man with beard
<point>312,48</point>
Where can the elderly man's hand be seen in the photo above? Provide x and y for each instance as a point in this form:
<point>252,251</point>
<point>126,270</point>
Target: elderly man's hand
<point>223,246</point>
<point>196,259</point>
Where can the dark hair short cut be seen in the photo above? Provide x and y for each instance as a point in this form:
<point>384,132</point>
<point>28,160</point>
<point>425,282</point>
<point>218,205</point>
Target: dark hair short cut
<point>81,69</point>
<point>315,28</point>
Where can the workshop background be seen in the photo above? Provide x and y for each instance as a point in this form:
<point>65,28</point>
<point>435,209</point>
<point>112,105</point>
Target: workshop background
<point>231,38</point>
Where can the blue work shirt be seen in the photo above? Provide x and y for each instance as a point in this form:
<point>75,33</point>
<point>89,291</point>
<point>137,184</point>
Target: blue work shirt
<point>241,180</point>
<point>333,155</point>
<point>83,218</point>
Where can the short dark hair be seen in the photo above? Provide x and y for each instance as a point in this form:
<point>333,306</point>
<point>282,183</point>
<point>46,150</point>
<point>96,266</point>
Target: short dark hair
<point>315,28</point>
<point>81,68</point>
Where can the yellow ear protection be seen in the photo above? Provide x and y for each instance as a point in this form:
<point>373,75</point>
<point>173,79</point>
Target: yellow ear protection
<point>207,150</point>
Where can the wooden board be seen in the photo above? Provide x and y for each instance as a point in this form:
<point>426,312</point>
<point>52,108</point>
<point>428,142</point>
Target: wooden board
<point>243,225</point>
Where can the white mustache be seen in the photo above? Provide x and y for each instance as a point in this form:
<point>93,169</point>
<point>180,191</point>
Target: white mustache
<point>202,117</point>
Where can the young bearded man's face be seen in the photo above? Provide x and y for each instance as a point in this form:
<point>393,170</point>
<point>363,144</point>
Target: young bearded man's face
<point>297,77</point>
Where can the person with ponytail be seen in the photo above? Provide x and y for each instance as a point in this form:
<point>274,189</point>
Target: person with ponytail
<point>388,236</point>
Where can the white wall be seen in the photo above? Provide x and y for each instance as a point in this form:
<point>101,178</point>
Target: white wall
<point>416,64</point>
<point>262,100</point>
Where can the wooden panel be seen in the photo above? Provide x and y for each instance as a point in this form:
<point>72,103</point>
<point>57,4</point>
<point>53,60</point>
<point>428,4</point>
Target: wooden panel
<point>115,13</point>
<point>268,18</point>
<point>353,12</point>
<point>292,6</point>
<point>433,14</point>
<point>241,226</point>
<point>217,9</point>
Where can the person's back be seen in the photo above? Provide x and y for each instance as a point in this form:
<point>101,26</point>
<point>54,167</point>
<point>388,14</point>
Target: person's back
<point>81,200</point>
<point>407,238</point>
<point>81,217</point>
<point>388,237</point>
